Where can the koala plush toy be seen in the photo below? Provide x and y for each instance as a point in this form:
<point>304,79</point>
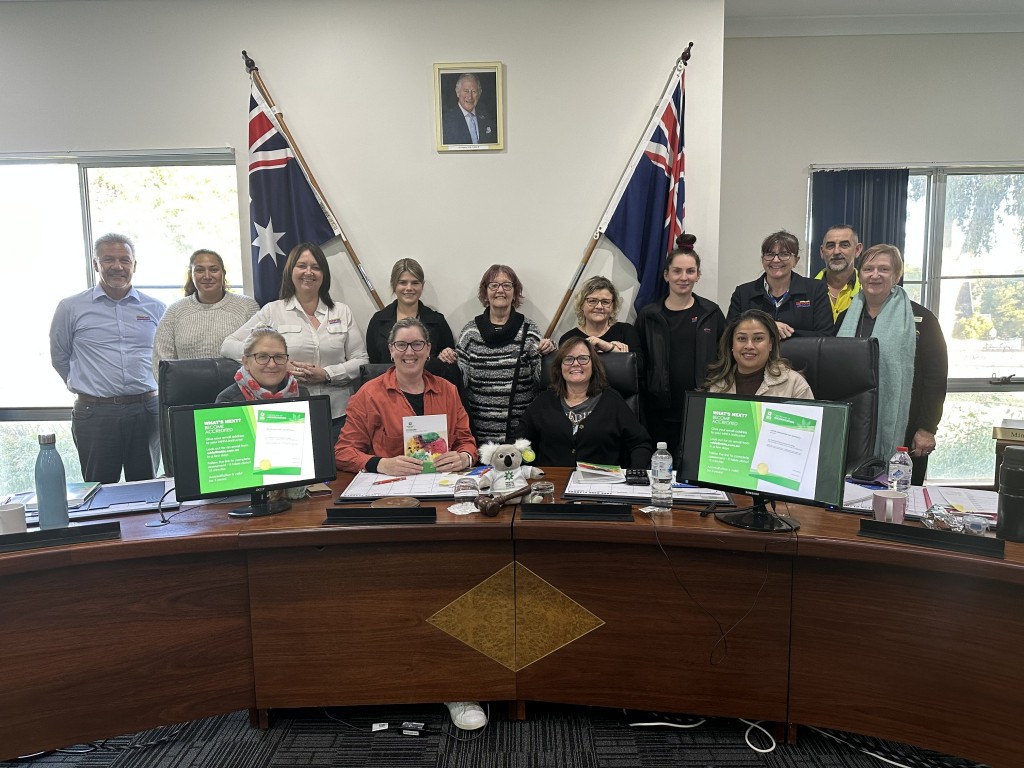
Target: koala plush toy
<point>507,469</point>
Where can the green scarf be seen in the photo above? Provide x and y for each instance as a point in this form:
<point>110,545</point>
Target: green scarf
<point>897,343</point>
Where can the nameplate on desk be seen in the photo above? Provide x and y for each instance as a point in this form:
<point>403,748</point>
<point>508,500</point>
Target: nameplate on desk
<point>611,513</point>
<point>59,537</point>
<point>381,516</point>
<point>927,537</point>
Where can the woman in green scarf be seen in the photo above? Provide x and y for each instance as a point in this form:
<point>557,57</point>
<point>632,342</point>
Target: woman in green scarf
<point>912,357</point>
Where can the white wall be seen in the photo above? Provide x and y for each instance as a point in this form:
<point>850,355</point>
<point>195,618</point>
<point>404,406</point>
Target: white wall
<point>795,101</point>
<point>354,80</point>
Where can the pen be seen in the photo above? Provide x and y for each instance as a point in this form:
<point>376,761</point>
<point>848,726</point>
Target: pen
<point>389,480</point>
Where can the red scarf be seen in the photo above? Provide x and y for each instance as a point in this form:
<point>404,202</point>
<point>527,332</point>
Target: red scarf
<point>253,390</point>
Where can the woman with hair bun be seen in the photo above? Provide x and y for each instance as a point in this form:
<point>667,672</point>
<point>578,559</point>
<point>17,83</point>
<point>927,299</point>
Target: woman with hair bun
<point>679,340</point>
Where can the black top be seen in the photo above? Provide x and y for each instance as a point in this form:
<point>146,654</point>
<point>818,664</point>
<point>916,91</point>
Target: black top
<point>384,320</point>
<point>610,434</point>
<point>380,325</point>
<point>660,347</point>
<point>806,306</point>
<point>623,332</point>
<point>682,373</point>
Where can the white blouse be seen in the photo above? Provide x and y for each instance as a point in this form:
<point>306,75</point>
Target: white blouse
<point>336,346</point>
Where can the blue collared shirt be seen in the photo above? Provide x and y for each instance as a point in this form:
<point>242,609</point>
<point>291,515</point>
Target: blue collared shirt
<point>102,347</point>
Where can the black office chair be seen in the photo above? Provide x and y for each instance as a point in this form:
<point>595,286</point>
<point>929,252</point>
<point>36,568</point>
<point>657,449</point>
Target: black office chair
<point>621,369</point>
<point>450,373</point>
<point>189,382</point>
<point>369,371</point>
<point>844,370</point>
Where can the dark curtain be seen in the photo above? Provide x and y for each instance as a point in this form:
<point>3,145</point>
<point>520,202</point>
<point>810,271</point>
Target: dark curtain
<point>872,201</point>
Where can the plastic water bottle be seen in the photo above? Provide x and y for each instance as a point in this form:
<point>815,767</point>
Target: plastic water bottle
<point>900,469</point>
<point>661,478</point>
<point>51,489</point>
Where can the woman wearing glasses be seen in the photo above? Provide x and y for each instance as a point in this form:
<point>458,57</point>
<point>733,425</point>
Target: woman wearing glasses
<point>372,438</point>
<point>679,340</point>
<point>581,418</point>
<point>264,372</point>
<point>499,354</point>
<point>326,345</point>
<point>597,305</point>
<point>799,305</point>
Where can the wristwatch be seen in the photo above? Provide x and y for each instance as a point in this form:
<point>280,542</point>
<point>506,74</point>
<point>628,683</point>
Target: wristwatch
<point>328,375</point>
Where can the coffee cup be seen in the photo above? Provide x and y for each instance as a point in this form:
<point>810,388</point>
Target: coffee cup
<point>889,506</point>
<point>12,518</point>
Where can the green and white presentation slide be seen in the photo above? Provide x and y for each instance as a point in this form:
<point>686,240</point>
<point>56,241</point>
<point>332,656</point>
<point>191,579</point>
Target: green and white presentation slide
<point>769,447</point>
<point>254,445</point>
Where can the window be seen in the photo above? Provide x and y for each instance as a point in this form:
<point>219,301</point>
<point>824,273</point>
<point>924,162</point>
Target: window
<point>965,262</point>
<point>169,203</point>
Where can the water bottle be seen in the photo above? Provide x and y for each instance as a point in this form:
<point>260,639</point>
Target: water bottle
<point>51,489</point>
<point>900,470</point>
<point>661,478</point>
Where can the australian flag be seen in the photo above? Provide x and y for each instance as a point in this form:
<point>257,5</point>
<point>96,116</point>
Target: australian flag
<point>647,212</point>
<point>284,210</point>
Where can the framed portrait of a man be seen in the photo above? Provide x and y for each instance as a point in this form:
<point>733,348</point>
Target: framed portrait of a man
<point>468,114</point>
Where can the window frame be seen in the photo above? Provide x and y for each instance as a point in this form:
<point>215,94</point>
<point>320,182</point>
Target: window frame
<point>86,161</point>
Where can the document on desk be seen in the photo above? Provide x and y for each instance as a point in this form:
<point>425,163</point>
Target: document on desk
<point>641,493</point>
<point>372,485</point>
<point>857,498</point>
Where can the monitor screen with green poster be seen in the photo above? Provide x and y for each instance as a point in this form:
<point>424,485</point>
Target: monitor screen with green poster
<point>251,447</point>
<point>765,447</point>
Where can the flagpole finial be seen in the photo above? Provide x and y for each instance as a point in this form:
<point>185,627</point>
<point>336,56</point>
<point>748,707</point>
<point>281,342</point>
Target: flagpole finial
<point>250,65</point>
<point>684,57</point>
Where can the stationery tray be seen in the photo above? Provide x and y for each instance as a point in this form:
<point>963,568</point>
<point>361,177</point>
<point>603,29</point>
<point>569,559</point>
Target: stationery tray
<point>78,533</point>
<point>612,513</point>
<point>926,537</point>
<point>381,516</point>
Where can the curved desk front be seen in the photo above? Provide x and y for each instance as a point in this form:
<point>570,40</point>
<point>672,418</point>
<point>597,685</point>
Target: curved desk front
<point>209,615</point>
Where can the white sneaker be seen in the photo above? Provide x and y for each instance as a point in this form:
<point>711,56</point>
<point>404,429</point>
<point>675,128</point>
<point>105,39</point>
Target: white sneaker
<point>467,715</point>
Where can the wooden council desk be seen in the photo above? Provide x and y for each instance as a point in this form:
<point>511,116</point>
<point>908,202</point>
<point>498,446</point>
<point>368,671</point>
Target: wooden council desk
<point>209,615</point>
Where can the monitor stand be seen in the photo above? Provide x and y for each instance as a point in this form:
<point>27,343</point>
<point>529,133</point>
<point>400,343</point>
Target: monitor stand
<point>260,505</point>
<point>759,518</point>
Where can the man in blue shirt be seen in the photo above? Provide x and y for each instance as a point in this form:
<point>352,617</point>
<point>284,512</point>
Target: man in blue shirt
<point>101,344</point>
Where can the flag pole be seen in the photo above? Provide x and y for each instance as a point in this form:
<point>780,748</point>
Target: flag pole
<point>681,62</point>
<point>254,73</point>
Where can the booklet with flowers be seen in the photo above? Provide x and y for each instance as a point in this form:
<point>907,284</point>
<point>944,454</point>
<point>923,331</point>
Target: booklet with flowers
<point>599,473</point>
<point>426,438</point>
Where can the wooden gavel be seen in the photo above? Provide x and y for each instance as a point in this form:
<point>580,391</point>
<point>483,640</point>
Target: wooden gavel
<point>490,505</point>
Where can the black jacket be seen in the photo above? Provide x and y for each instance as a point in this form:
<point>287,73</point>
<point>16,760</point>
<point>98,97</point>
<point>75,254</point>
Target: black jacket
<point>657,347</point>
<point>380,325</point>
<point>611,434</point>
<point>806,308</point>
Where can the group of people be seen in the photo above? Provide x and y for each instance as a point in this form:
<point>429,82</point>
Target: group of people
<point>107,343</point>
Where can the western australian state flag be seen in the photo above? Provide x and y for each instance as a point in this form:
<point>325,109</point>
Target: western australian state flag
<point>284,209</point>
<point>646,213</point>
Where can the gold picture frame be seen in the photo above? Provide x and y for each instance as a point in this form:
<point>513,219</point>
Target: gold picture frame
<point>455,91</point>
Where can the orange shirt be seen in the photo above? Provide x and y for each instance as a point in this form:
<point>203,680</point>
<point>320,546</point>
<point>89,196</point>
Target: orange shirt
<point>373,423</point>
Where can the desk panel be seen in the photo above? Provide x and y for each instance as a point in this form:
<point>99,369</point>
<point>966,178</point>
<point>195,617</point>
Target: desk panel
<point>685,630</point>
<point>93,651</point>
<point>347,624</point>
<point>915,656</point>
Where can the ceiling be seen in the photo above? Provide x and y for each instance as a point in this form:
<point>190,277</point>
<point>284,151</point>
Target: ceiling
<point>813,18</point>
<point>809,18</point>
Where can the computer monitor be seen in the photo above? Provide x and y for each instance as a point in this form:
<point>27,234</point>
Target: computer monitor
<point>251,447</point>
<point>769,448</point>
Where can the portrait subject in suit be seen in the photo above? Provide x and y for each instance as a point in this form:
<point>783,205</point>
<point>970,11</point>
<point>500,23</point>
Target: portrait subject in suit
<point>468,122</point>
<point>468,106</point>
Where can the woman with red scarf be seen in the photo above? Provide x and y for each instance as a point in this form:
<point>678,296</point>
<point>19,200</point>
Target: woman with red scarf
<point>264,373</point>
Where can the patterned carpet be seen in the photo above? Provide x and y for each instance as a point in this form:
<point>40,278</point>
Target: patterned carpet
<point>554,736</point>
